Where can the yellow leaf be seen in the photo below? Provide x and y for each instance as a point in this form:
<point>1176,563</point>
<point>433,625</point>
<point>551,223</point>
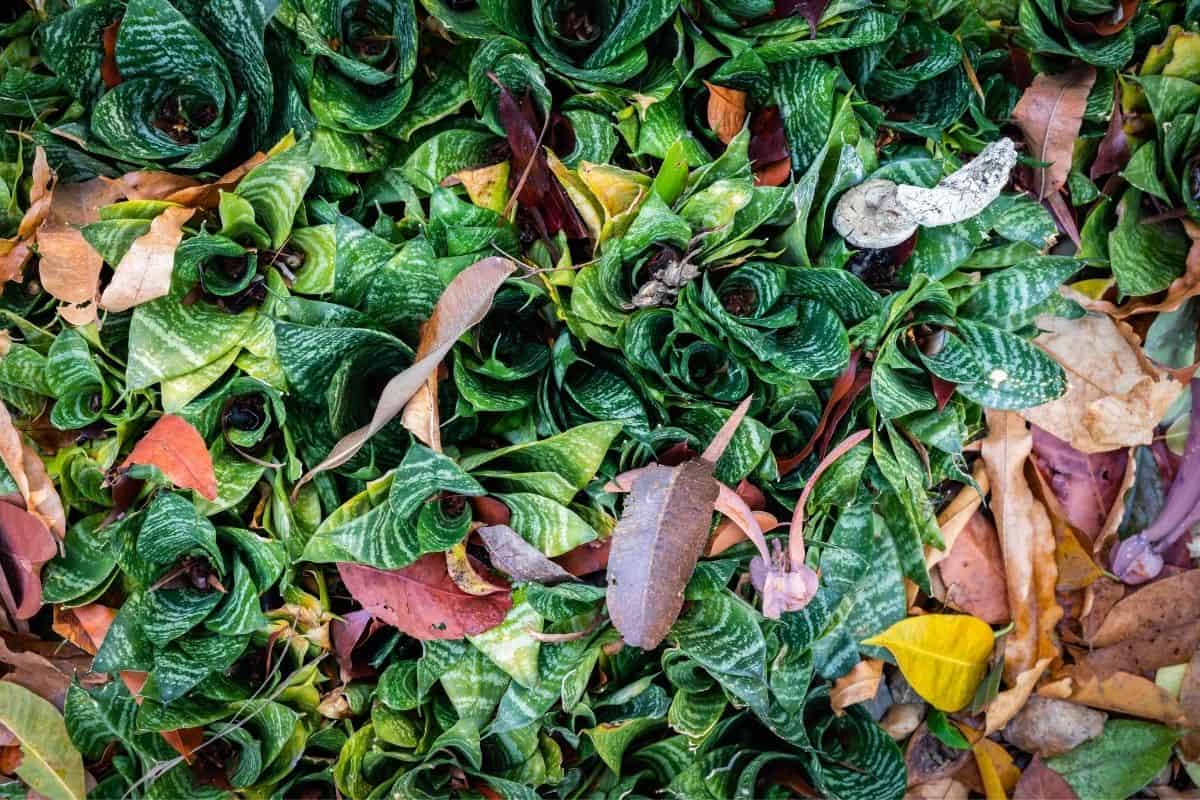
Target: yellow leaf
<point>487,186</point>
<point>50,764</point>
<point>996,769</point>
<point>943,656</point>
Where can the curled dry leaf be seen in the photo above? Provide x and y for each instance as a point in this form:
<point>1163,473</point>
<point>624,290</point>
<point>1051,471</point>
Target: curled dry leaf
<point>1006,704</point>
<point>520,560</point>
<point>26,544</point>
<point>1160,606</point>
<point>144,273</point>
<point>468,574</point>
<point>178,450</point>
<point>29,473</point>
<point>1115,395</point>
<point>462,305</point>
<point>858,685</point>
<point>1124,693</point>
<point>181,189</point>
<point>15,252</point>
<point>1027,542</point>
<point>1050,113</point>
<point>422,600</point>
<point>726,111</point>
<point>880,213</point>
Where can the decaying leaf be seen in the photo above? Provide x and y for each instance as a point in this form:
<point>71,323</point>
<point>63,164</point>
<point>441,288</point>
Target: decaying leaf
<point>25,545</point>
<point>1047,726</point>
<point>943,656</point>
<point>957,515</point>
<point>1006,704</point>
<point>1085,485</point>
<point>1027,542</point>
<point>520,560</point>
<point>175,447</point>
<point>879,213</point>
<point>973,573</point>
<point>726,111</point>
<point>145,270</point>
<point>50,764</point>
<point>858,685</point>
<point>1124,693</point>
<point>1115,396</point>
<point>1050,113</point>
<point>1039,782</point>
<point>181,189</point>
<point>462,305</point>
<point>422,600</point>
<point>28,472</point>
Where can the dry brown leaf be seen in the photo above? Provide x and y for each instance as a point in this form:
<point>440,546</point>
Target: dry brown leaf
<point>942,789</point>
<point>726,111</point>
<point>1146,654</point>
<point>69,268</point>
<point>15,252</point>
<point>1027,542</point>
<point>1006,704</point>
<point>1189,690</point>
<point>462,305</point>
<point>29,473</point>
<point>1161,605</point>
<point>957,513</point>
<point>178,450</point>
<point>1115,396</point>
<point>973,573</point>
<point>1050,113</point>
<point>1039,782</point>
<point>144,273</point>
<point>84,626</point>
<point>155,185</point>
<point>1124,693</point>
<point>858,685</point>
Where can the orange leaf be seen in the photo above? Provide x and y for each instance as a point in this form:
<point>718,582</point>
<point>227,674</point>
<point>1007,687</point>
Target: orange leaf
<point>108,66</point>
<point>856,686</point>
<point>1124,693</point>
<point>973,573</point>
<point>175,447</point>
<point>84,626</point>
<point>1027,543</point>
<point>726,111</point>
<point>996,768</point>
<point>958,512</point>
<point>1006,704</point>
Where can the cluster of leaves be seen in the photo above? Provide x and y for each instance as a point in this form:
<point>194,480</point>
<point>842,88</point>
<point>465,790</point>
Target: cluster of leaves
<point>403,399</point>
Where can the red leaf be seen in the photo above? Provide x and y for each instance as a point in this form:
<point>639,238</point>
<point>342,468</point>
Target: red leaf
<point>25,545</point>
<point>768,142</point>
<point>942,391</point>
<point>108,67</point>
<point>586,558</point>
<point>422,600</point>
<point>345,634</point>
<point>1039,782</point>
<point>1086,485</point>
<point>1113,151</point>
<point>175,447</point>
<point>1115,23</point>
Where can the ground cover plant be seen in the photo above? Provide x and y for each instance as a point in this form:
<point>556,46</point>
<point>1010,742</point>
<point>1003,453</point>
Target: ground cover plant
<point>599,399</point>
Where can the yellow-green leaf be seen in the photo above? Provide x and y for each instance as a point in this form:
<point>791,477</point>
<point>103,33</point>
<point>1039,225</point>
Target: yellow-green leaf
<point>50,764</point>
<point>943,656</point>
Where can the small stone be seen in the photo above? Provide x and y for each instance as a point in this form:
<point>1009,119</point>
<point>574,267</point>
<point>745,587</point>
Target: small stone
<point>901,720</point>
<point>1048,727</point>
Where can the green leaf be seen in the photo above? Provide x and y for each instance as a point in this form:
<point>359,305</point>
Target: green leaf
<point>50,764</point>
<point>1118,762</point>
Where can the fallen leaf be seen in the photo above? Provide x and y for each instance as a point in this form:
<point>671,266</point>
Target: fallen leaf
<point>1000,775</point>
<point>1047,726</point>
<point>858,685</point>
<point>1119,762</point>
<point>902,719</point>
<point>954,518</point>
<point>1179,292</point>
<point>928,759</point>
<point>942,656</point>
<point>50,764</point>
<point>422,601</point>
<point>25,545</point>
<point>1050,113</point>
<point>1124,693</point>
<point>344,636</point>
<point>177,449</point>
<point>1008,703</point>
<point>181,189</point>
<point>84,626</point>
<point>1086,485</point>
<point>1162,605</point>
<point>811,10</point>
<point>1115,395</point>
<point>1076,568</point>
<point>1106,25</point>
<point>463,304</point>
<point>656,544</point>
<point>26,469</point>
<point>1112,154</point>
<point>468,574</point>
<point>44,668</point>
<point>1027,542</point>
<point>941,789</point>
<point>144,273</point>
<point>973,573</point>
<point>109,73</point>
<point>520,560</point>
<point>587,558</point>
<point>68,267</point>
<point>726,111</point>
<point>1039,782</point>
<point>1189,690</point>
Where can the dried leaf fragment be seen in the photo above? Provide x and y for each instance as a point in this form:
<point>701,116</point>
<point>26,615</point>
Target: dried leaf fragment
<point>1050,113</point>
<point>144,273</point>
<point>175,447</point>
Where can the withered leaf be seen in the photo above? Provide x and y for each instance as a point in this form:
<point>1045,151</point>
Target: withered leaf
<point>1050,113</point>
<point>726,111</point>
<point>656,545</point>
<point>519,559</point>
<point>175,447</point>
<point>422,600</point>
<point>25,545</point>
<point>144,273</point>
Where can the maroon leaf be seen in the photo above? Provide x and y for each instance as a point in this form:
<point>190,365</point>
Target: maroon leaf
<point>1113,152</point>
<point>942,391</point>
<point>1086,485</point>
<point>25,545</point>
<point>586,558</point>
<point>1039,782</point>
<point>811,10</point>
<point>1114,23</point>
<point>768,142</point>
<point>345,634</point>
<point>422,600</point>
<point>534,185</point>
